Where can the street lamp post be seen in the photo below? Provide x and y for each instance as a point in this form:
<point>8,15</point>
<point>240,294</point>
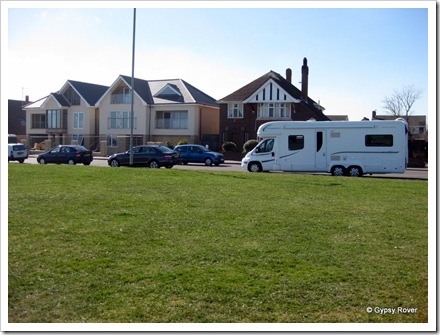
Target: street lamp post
<point>132,91</point>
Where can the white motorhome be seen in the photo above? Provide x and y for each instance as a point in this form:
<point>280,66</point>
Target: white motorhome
<point>340,147</point>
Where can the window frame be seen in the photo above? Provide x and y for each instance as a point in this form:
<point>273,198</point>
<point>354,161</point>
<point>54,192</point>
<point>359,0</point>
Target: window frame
<point>78,123</point>
<point>235,110</point>
<point>379,140</point>
<point>294,144</point>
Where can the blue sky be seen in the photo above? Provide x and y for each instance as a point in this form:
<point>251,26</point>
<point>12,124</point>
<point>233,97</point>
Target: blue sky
<point>356,56</point>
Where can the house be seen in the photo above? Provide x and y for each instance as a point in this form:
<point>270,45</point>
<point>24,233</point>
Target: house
<point>98,116</point>
<point>69,114</point>
<point>164,111</point>
<point>17,118</point>
<point>418,137</point>
<point>268,98</point>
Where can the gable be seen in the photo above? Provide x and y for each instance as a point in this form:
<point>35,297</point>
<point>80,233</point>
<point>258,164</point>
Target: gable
<point>271,91</point>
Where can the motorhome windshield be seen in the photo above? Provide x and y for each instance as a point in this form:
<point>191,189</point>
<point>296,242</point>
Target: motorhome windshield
<point>265,145</point>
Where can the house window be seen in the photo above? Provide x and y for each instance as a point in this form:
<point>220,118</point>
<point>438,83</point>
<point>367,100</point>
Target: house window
<point>119,120</point>
<point>379,140</point>
<point>53,117</point>
<point>172,120</point>
<point>235,111</point>
<point>121,95</point>
<point>38,121</point>
<point>273,110</point>
<point>112,140</point>
<point>72,97</point>
<point>78,120</point>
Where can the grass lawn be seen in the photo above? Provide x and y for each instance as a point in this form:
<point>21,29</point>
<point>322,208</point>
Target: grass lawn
<point>90,244</point>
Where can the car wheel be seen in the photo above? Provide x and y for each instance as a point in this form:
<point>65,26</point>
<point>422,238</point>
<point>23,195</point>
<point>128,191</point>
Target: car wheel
<point>169,166</point>
<point>87,163</point>
<point>114,163</point>
<point>208,161</point>
<point>21,161</point>
<point>355,171</point>
<point>42,161</point>
<point>154,165</point>
<point>71,162</point>
<point>338,170</point>
<point>255,167</point>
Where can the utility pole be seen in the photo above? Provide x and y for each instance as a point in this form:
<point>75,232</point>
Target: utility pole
<point>132,91</point>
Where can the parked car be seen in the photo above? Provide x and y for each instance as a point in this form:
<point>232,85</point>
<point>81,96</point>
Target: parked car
<point>153,156</point>
<point>17,152</point>
<point>195,153</point>
<point>66,154</point>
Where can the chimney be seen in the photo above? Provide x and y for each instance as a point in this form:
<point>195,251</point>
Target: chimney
<point>304,79</point>
<point>27,98</point>
<point>289,75</point>
<point>373,114</point>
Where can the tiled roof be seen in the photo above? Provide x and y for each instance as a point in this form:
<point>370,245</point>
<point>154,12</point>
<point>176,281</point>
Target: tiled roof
<point>89,92</point>
<point>61,99</point>
<point>247,90</point>
<point>141,87</point>
<point>148,90</point>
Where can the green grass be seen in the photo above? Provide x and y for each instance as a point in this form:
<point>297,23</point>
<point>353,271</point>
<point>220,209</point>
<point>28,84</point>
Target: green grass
<point>90,244</point>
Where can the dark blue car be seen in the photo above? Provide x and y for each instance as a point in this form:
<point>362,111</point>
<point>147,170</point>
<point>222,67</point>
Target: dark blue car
<point>194,153</point>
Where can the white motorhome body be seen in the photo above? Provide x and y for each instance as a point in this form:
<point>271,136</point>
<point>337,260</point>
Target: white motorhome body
<point>339,147</point>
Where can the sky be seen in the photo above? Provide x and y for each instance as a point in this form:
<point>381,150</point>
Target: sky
<point>356,56</point>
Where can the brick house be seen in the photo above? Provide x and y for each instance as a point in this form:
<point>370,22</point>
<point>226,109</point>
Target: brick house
<point>268,98</point>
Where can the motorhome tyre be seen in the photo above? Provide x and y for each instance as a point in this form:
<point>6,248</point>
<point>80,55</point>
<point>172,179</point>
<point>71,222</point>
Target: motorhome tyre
<point>355,171</point>
<point>255,167</point>
<point>338,170</point>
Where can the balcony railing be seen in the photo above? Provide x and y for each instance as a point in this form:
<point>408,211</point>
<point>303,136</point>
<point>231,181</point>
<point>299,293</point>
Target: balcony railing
<point>120,123</point>
<point>119,99</point>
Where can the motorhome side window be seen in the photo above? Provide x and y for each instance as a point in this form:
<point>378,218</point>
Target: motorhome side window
<point>296,142</point>
<point>379,140</point>
<point>266,146</point>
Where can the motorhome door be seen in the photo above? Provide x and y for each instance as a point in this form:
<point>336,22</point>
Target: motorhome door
<point>321,150</point>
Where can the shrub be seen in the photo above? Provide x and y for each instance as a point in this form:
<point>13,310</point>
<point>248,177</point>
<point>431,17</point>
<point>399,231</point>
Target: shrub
<point>249,145</point>
<point>170,145</point>
<point>182,141</point>
<point>229,146</point>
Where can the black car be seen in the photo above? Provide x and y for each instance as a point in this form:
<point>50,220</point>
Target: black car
<point>153,156</point>
<point>66,154</point>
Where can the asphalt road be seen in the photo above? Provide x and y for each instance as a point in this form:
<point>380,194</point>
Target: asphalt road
<point>411,173</point>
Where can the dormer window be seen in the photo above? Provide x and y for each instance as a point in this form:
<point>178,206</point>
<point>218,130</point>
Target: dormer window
<point>170,92</point>
<point>73,97</point>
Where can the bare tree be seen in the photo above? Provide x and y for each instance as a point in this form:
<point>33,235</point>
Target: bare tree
<point>402,101</point>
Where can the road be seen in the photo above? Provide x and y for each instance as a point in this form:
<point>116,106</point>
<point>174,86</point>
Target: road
<point>411,173</point>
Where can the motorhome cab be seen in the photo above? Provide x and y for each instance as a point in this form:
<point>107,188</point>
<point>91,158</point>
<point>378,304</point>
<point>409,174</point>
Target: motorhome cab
<point>340,147</point>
